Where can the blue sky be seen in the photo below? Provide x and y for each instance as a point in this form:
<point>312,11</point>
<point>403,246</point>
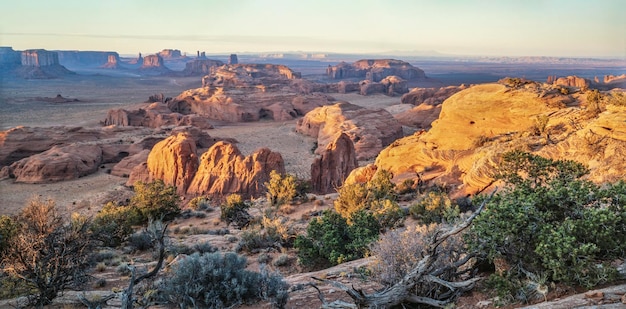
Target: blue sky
<point>568,28</point>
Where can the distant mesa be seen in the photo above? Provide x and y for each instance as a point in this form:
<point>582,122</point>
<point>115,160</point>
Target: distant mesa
<point>89,59</point>
<point>136,61</point>
<point>112,62</point>
<point>375,70</point>
<point>170,54</point>
<point>153,64</point>
<point>33,63</point>
<point>58,99</point>
<point>607,83</point>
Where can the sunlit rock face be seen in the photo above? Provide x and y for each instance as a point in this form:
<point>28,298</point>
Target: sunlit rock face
<point>369,129</point>
<point>39,58</point>
<point>174,161</point>
<point>154,116</point>
<point>329,171</point>
<point>375,70</point>
<point>224,170</point>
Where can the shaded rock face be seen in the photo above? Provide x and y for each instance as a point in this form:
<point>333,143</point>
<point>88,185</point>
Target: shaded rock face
<point>370,130</point>
<point>246,75</point>
<point>329,171</point>
<point>154,116</point>
<point>174,161</point>
<point>224,170</point>
<point>58,164</point>
<point>200,66</point>
<point>375,70</point>
<point>73,58</point>
<point>9,58</point>
<point>430,96</point>
<point>40,64</point>
<point>233,59</point>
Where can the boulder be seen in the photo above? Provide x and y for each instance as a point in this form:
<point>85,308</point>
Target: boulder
<point>58,164</point>
<point>329,171</point>
<point>224,170</point>
<point>125,166</point>
<point>572,81</point>
<point>369,129</point>
<point>154,115</point>
<point>430,96</point>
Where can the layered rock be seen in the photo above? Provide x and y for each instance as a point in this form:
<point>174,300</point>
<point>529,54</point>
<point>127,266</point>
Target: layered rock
<point>224,170</point>
<point>153,64</point>
<point>375,70</point>
<point>200,66</point>
<point>39,58</point>
<point>73,58</point>
<point>329,171</point>
<point>369,129</point>
<point>9,58</point>
<point>112,62</point>
<point>430,96</point>
<point>40,64</point>
<point>154,116</point>
<point>428,105</point>
<point>58,164</point>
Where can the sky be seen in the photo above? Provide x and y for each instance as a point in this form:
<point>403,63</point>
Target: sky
<point>560,28</point>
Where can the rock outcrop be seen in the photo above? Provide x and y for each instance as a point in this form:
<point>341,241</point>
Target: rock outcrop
<point>112,62</point>
<point>9,59</point>
<point>200,67</point>
<point>153,64</point>
<point>75,58</point>
<point>247,92</point>
<point>430,96</point>
<point>428,105</point>
<point>174,160</point>
<point>329,171</point>
<point>390,85</point>
<point>375,70</point>
<point>369,129</point>
<point>39,58</point>
<point>224,170</point>
<point>154,116</point>
<point>233,59</point>
<point>58,164</point>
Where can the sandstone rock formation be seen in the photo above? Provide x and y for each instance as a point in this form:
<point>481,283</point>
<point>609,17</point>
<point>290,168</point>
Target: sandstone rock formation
<point>478,124</point>
<point>329,171</point>
<point>224,170</point>
<point>572,81</point>
<point>153,64</point>
<point>40,64</point>
<point>247,92</point>
<point>154,116</point>
<point>174,161</point>
<point>58,164</point>
<point>125,166</point>
<point>430,96</point>
<point>375,70</point>
<point>370,130</point>
<point>200,66</point>
<point>75,58</point>
<point>112,62</point>
<point>9,58</point>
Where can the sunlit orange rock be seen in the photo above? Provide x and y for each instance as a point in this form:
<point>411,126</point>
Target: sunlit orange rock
<point>174,161</point>
<point>224,170</point>
<point>57,164</point>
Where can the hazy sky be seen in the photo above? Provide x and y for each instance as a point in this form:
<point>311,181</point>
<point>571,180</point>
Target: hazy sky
<point>579,28</point>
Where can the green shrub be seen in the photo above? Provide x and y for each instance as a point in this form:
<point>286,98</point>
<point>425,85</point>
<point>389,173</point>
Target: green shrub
<point>435,207</point>
<point>617,98</point>
<point>330,240</point>
<point>155,200</point>
<point>377,196</point>
<point>235,211</point>
<point>281,189</point>
<point>113,224</point>
<point>550,221</point>
<point>200,203</point>
<point>8,229</point>
<point>215,280</point>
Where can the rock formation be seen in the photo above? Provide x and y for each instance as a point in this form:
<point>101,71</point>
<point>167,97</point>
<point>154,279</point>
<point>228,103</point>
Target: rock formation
<point>233,59</point>
<point>430,96</point>
<point>112,62</point>
<point>200,66</point>
<point>428,105</point>
<point>153,64</point>
<point>572,81</point>
<point>375,70</point>
<point>174,161</point>
<point>40,64</point>
<point>9,59</point>
<point>154,116</point>
<point>58,164</point>
<point>75,58</point>
<point>170,54</point>
<point>329,171</point>
<point>247,92</point>
<point>370,130</point>
<point>224,170</point>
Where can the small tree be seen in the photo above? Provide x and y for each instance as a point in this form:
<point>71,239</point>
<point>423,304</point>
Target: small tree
<point>235,210</point>
<point>155,200</point>
<point>281,189</point>
<point>47,252</point>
